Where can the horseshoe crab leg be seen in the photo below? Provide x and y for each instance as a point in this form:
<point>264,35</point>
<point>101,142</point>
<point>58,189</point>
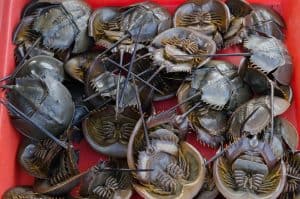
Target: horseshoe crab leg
<point>272,111</point>
<point>294,177</point>
<point>125,170</point>
<point>141,113</point>
<point>218,55</point>
<point>118,83</point>
<point>14,109</point>
<point>183,102</point>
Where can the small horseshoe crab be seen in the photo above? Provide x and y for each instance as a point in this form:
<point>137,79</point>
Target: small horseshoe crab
<point>106,133</point>
<point>135,23</point>
<point>59,25</point>
<point>250,169</point>
<point>209,17</point>
<point>178,168</point>
<point>174,49</point>
<point>218,89</point>
<point>106,185</point>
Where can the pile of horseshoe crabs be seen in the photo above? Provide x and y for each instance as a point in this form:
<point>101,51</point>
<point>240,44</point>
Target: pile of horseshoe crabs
<point>95,75</point>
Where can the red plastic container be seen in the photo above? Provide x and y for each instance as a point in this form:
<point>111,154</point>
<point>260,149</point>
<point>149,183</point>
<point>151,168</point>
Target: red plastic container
<point>10,10</point>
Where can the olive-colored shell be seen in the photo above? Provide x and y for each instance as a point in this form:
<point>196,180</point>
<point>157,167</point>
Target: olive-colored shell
<point>223,172</point>
<point>218,11</point>
<point>42,66</point>
<point>169,41</point>
<point>191,186</point>
<point>47,102</point>
<point>107,134</point>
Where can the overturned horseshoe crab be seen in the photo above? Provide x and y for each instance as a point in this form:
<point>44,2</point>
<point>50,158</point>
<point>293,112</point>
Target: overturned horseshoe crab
<point>178,168</point>
<point>250,169</point>
<point>106,133</point>
<point>210,17</point>
<point>170,47</point>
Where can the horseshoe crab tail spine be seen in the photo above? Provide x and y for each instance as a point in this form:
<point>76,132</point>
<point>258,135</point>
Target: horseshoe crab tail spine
<point>218,55</point>
<point>118,82</point>
<point>272,111</point>
<point>14,109</point>
<point>129,69</point>
<point>19,66</point>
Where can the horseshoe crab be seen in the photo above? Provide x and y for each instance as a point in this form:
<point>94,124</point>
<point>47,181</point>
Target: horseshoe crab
<point>171,49</point>
<point>45,101</point>
<point>77,66</point>
<point>178,168</point>
<point>250,169</point>
<point>135,23</point>
<point>59,24</point>
<point>254,116</point>
<point>106,133</point>
<point>63,178</point>
<point>38,159</point>
<point>41,66</point>
<point>106,185</point>
<point>28,193</point>
<point>220,89</point>
<point>264,20</point>
<point>260,82</point>
<point>210,17</point>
